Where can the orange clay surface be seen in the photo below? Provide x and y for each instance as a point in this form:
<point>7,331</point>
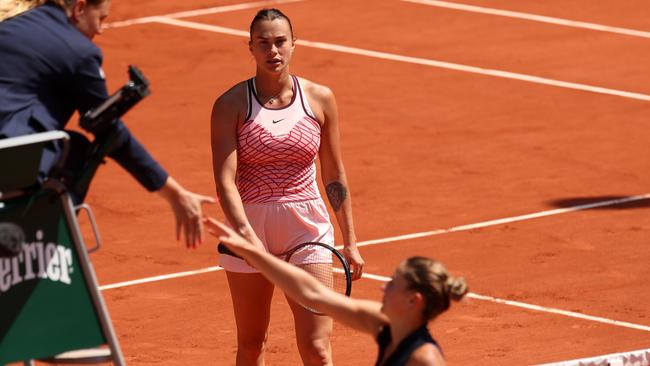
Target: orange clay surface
<point>425,148</point>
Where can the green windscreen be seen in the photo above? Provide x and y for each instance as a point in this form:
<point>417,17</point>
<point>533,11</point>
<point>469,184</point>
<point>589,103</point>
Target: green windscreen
<point>45,305</point>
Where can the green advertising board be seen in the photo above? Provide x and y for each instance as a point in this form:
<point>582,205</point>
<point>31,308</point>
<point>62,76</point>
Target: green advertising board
<point>48,305</point>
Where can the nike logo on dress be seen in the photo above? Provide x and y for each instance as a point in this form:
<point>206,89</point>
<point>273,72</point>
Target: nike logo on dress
<point>280,120</point>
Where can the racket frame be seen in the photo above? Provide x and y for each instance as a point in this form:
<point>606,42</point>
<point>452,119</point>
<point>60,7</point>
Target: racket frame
<point>222,249</point>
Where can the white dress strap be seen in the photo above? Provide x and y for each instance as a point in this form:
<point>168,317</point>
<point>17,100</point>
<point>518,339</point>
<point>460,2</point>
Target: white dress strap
<point>303,98</point>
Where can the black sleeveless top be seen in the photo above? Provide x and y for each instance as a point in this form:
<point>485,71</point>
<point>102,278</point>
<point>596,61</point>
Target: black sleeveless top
<point>403,351</point>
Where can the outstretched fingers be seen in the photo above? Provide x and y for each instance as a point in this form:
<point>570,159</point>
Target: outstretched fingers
<point>214,227</point>
<point>227,235</point>
<point>198,234</point>
<point>190,217</point>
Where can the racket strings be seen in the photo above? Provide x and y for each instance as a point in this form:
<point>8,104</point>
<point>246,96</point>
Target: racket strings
<point>322,261</point>
<point>328,267</point>
<point>332,275</point>
<point>329,275</point>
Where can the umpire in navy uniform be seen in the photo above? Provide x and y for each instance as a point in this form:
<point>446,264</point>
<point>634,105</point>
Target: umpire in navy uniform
<point>50,68</point>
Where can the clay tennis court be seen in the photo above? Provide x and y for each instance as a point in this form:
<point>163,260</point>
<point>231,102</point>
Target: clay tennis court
<point>450,117</point>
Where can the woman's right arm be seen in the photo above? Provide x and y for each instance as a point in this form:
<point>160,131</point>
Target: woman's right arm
<point>226,114</point>
<point>89,92</point>
<point>362,315</point>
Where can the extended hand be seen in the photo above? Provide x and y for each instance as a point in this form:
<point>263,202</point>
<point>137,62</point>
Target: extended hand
<point>187,210</point>
<point>227,236</point>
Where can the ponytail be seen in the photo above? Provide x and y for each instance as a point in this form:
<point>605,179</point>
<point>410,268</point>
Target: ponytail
<point>437,286</point>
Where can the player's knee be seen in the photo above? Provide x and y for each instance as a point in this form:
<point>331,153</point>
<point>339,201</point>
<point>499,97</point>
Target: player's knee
<point>251,348</point>
<point>316,352</point>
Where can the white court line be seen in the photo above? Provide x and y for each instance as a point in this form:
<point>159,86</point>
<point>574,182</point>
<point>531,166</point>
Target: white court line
<point>544,309</point>
<point>199,12</point>
<point>159,278</point>
<point>417,60</point>
<point>571,314</point>
<point>507,220</point>
<point>533,17</point>
<point>472,295</point>
<point>453,229</point>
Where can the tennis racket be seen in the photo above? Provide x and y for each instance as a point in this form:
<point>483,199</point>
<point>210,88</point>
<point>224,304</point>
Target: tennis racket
<point>329,266</point>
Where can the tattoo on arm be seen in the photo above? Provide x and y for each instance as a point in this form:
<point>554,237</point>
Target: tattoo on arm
<point>336,193</point>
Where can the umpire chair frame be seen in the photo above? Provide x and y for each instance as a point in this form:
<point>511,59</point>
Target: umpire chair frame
<point>20,181</point>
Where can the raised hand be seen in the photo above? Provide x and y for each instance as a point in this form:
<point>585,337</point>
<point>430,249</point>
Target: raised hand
<point>188,211</point>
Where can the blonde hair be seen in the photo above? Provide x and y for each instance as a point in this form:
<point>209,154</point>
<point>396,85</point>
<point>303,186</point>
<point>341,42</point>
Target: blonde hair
<point>12,8</point>
<point>432,280</point>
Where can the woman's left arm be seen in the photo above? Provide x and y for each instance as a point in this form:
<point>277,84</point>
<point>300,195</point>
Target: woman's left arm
<point>334,179</point>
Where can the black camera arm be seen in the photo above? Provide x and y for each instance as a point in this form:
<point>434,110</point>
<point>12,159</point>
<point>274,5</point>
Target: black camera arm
<point>101,118</point>
<point>101,121</point>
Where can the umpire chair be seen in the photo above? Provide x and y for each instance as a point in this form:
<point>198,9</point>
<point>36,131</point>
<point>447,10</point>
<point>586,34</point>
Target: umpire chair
<point>51,309</point>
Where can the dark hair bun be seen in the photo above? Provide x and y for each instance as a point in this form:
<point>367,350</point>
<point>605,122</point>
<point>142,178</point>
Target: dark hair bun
<point>456,288</point>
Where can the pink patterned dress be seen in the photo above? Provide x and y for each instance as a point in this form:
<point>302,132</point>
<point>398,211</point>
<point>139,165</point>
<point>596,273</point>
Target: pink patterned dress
<point>276,177</point>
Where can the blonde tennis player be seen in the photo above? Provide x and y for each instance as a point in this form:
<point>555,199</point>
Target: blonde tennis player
<point>419,291</point>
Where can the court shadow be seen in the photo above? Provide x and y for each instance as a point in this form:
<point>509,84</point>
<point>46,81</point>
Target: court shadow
<point>582,201</point>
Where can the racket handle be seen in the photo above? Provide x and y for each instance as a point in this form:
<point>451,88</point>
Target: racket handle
<point>222,249</point>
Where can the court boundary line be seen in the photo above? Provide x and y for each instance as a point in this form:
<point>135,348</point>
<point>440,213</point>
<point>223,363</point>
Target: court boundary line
<point>434,3</point>
<point>417,60</point>
<point>450,230</point>
<point>471,295</point>
<point>544,309</point>
<point>197,12</point>
<point>532,17</point>
<point>159,278</point>
<point>507,220</point>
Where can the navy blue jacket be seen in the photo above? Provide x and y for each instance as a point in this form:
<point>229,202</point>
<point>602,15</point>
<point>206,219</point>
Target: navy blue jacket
<point>49,70</point>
